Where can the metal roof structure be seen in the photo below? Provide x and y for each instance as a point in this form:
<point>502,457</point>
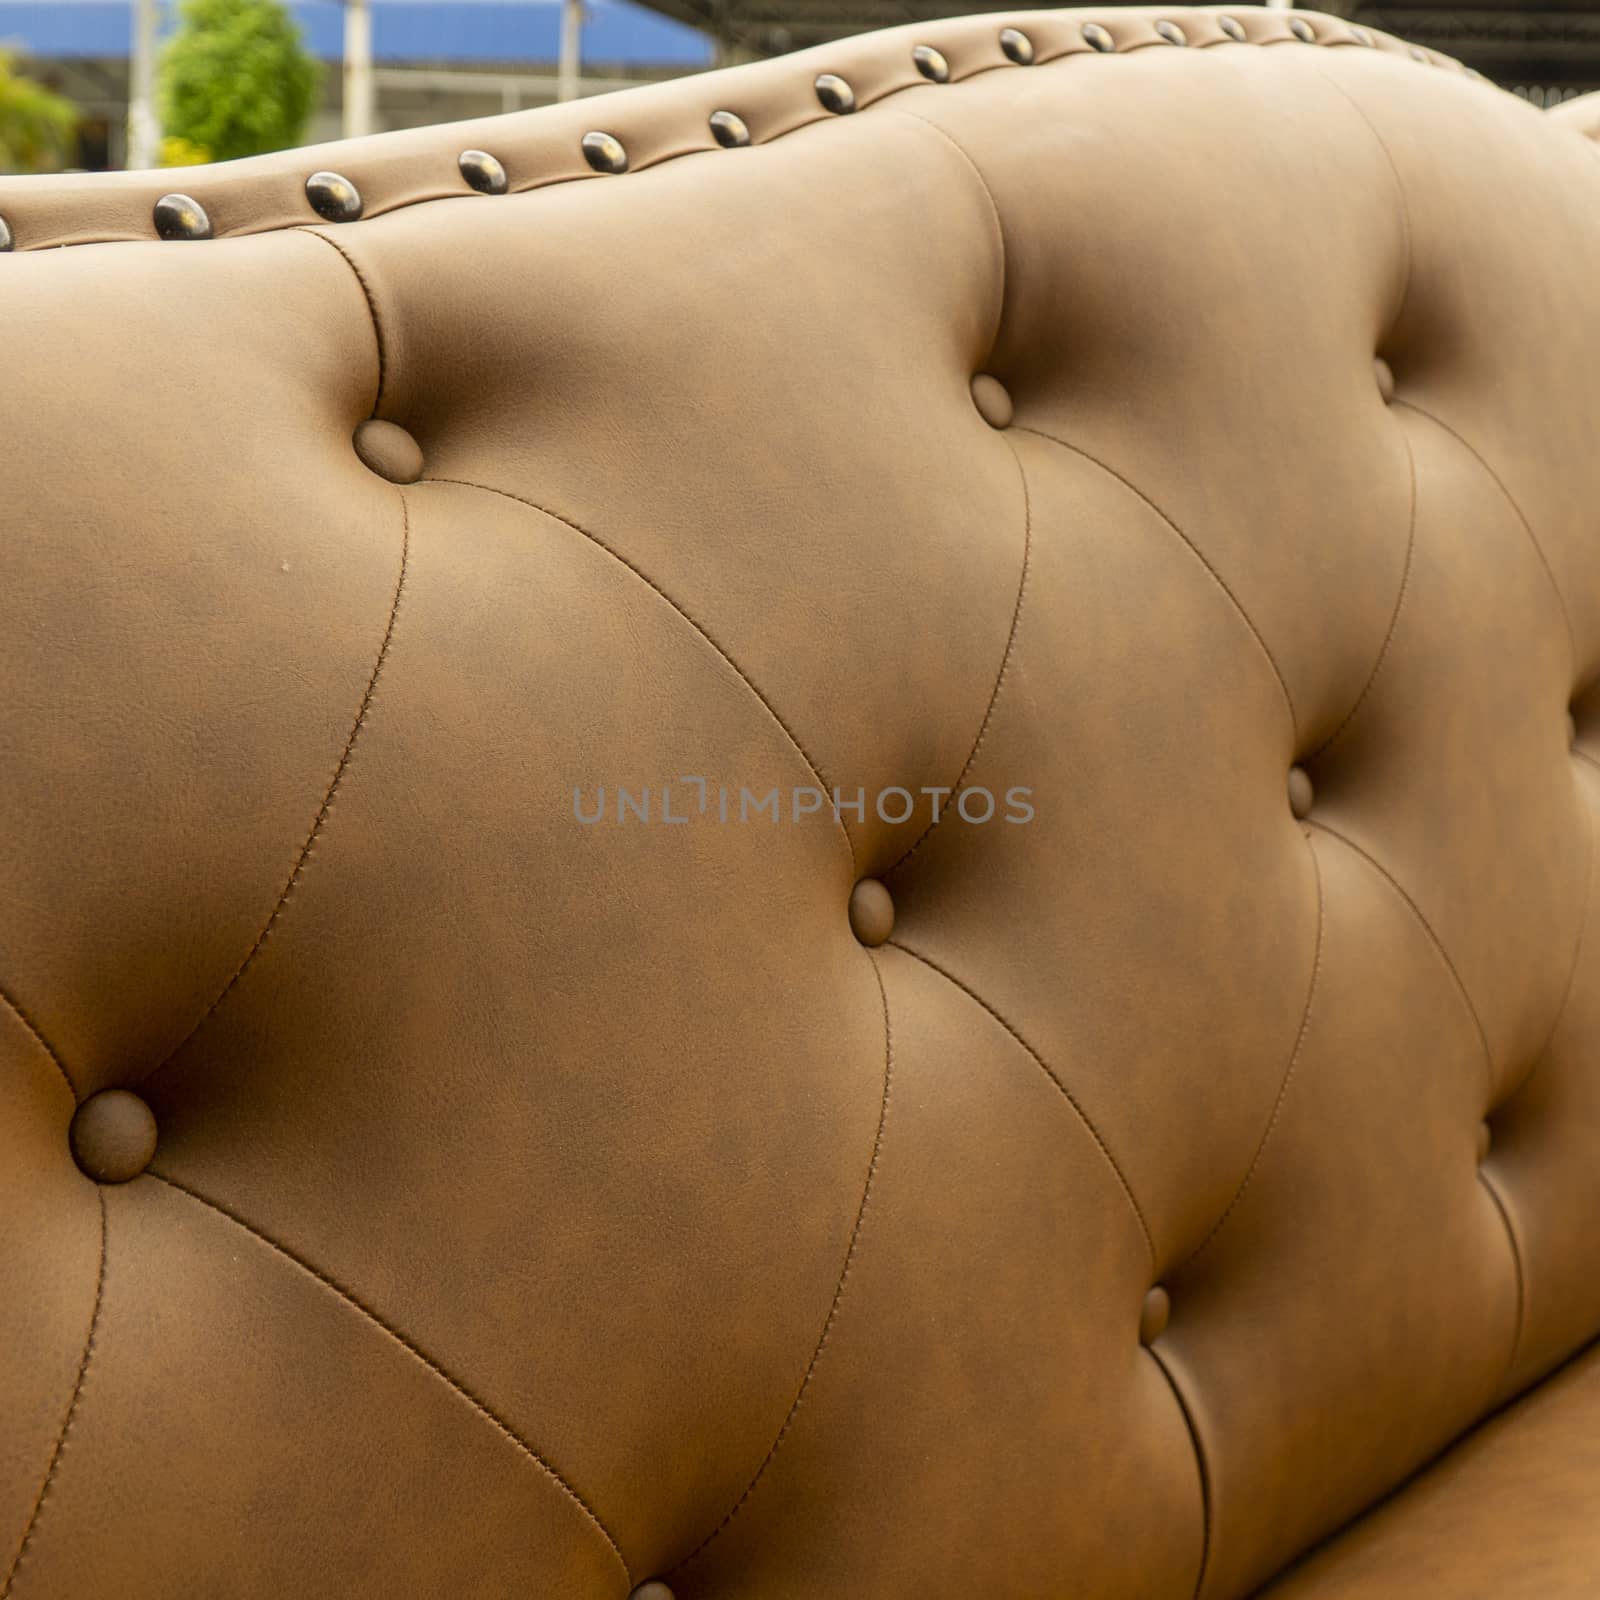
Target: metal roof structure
<point>436,32</point>
<point>1555,42</point>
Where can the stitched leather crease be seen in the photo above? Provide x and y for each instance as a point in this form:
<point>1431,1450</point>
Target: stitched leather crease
<point>1399,189</point>
<point>582,1505</point>
<point>1067,1094</point>
<point>66,1422</point>
<point>1005,663</point>
<point>1288,1074</point>
<point>649,582</point>
<point>1433,938</point>
<point>1538,1061</point>
<point>43,1043</point>
<point>1201,1468</point>
<point>838,1291</point>
<point>372,305</point>
<point>322,811</point>
<point>1394,619</point>
<point>1527,527</point>
<point>1216,577</point>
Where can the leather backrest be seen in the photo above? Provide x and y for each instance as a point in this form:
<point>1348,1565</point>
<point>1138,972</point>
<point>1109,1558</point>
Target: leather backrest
<point>542,1205</point>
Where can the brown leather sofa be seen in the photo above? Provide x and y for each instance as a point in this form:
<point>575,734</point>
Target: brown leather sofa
<point>1180,425</point>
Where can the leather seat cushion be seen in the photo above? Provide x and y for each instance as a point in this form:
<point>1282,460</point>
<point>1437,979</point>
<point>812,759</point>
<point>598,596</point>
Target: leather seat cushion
<point>1510,1511</point>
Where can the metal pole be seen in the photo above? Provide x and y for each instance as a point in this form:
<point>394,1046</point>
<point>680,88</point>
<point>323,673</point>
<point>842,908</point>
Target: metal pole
<point>358,84</point>
<point>568,62</point>
<point>144,129</point>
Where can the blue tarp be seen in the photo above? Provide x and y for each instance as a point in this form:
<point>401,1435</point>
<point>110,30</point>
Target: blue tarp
<point>615,33</point>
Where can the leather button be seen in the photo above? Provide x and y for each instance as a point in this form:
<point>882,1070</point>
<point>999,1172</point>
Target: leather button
<point>1153,1317</point>
<point>993,403</point>
<point>1384,373</point>
<point>1485,1140</point>
<point>113,1136</point>
<point>655,1589</point>
<point>1301,793</point>
<point>871,912</point>
<point>389,451</point>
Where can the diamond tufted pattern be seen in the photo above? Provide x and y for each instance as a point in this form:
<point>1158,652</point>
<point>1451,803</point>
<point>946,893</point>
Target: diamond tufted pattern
<point>823,1204</point>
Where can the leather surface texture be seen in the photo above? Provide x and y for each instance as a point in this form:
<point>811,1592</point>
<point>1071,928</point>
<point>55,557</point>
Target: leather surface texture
<point>1187,418</point>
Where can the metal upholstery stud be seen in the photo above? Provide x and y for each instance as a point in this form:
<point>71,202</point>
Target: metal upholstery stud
<point>1017,46</point>
<point>1233,27</point>
<point>1171,32</point>
<point>655,1589</point>
<point>729,130</point>
<point>1302,30</point>
<point>178,216</point>
<point>1097,38</point>
<point>333,197</point>
<point>835,94</point>
<point>1418,53</point>
<point>604,152</point>
<point>1363,36</point>
<point>482,171</point>
<point>931,63</point>
<point>6,241</point>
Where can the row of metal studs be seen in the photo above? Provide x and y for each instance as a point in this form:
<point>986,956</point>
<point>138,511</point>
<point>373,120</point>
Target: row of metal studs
<point>336,198</point>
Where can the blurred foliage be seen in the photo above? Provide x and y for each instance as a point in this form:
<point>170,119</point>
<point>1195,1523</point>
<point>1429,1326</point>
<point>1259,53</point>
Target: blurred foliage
<point>176,152</point>
<point>236,79</point>
<point>38,128</point>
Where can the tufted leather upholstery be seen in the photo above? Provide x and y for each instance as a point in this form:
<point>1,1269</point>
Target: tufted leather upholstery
<point>1114,1203</point>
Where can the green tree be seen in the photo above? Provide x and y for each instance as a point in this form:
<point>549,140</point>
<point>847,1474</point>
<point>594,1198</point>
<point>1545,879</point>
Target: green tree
<point>236,79</point>
<point>38,129</point>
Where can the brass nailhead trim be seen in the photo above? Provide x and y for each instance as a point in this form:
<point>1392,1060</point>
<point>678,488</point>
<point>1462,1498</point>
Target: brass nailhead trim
<point>835,94</point>
<point>729,130</point>
<point>1017,46</point>
<point>604,152</point>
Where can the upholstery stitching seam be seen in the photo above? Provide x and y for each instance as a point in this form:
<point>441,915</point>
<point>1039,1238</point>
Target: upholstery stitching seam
<point>1394,620</point>
<point>72,1409</point>
<point>1516,1264</point>
<point>838,1292</point>
<point>406,1344</point>
<point>372,304</point>
<point>1289,1071</point>
<point>1201,1469</point>
<point>1577,949</point>
<point>322,811</point>
<point>1005,663</point>
<point>1194,549</point>
<point>1400,189</point>
<point>1427,927</point>
<point>988,194</point>
<point>1066,1093</point>
<point>43,1043</point>
<point>649,583</point>
<point>1527,527</point>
